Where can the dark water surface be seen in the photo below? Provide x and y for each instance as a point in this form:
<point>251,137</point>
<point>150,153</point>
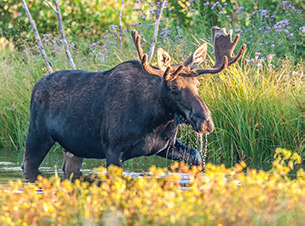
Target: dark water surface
<point>11,161</point>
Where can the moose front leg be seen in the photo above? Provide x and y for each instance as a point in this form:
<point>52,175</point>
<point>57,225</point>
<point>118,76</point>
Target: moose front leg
<point>181,152</point>
<point>72,165</point>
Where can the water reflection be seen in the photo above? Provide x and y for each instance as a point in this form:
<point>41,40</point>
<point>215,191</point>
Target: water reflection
<point>11,161</point>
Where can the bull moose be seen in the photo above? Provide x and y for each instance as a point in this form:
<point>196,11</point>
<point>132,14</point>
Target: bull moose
<point>131,110</point>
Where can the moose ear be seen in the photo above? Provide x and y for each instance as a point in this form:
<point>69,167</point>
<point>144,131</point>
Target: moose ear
<point>194,60</point>
<point>163,59</point>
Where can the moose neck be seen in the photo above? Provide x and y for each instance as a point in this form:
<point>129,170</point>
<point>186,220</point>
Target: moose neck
<point>157,112</point>
<point>168,104</point>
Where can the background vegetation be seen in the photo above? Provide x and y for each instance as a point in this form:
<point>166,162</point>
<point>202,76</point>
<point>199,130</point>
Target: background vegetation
<point>257,105</point>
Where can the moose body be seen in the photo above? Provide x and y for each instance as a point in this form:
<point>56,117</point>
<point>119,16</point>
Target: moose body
<point>117,114</point>
<point>129,111</point>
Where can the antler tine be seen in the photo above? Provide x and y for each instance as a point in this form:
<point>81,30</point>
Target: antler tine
<point>166,74</point>
<point>172,76</point>
<point>223,46</point>
<point>149,69</point>
<point>179,69</point>
<point>143,57</point>
<point>223,50</point>
<point>137,41</point>
<point>239,55</point>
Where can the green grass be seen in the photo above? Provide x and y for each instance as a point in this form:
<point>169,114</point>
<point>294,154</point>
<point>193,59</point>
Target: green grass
<point>255,110</point>
<point>257,104</point>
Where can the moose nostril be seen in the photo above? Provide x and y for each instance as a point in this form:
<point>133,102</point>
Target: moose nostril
<point>210,125</point>
<point>209,119</point>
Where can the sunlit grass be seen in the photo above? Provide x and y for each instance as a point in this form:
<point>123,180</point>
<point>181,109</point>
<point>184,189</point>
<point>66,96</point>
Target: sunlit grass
<point>255,109</point>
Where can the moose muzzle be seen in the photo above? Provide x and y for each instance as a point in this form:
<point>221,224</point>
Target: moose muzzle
<point>202,124</point>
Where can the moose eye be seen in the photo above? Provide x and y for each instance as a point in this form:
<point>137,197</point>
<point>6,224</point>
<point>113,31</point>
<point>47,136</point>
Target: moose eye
<point>174,89</point>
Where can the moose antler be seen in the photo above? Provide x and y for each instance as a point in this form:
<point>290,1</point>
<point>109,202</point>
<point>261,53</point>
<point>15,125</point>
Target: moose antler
<point>137,39</point>
<point>223,45</point>
<point>172,76</point>
<point>223,50</point>
<point>143,57</point>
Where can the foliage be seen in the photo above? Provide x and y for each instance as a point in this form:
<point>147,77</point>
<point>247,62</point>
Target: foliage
<point>220,196</point>
<point>80,17</point>
<point>256,105</point>
<point>255,109</point>
<point>258,22</point>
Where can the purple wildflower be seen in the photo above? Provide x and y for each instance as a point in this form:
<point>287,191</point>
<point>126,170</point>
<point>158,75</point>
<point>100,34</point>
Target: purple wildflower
<point>93,45</point>
<point>215,5</point>
<point>282,24</point>
<point>286,4</point>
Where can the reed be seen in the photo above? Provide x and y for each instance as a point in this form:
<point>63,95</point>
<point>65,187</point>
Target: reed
<point>256,110</point>
<point>256,106</point>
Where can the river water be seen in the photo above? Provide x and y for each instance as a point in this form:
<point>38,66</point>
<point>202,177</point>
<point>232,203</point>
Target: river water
<point>11,161</point>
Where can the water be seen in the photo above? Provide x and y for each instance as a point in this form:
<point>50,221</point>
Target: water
<point>11,161</point>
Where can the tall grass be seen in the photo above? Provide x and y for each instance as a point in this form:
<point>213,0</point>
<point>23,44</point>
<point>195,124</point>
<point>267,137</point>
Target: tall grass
<point>256,106</point>
<point>255,109</point>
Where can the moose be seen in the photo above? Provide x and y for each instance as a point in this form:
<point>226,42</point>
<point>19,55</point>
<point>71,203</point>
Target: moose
<point>131,110</point>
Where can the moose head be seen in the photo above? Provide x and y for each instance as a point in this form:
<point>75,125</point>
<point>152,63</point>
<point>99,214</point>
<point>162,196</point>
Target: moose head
<point>180,84</point>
